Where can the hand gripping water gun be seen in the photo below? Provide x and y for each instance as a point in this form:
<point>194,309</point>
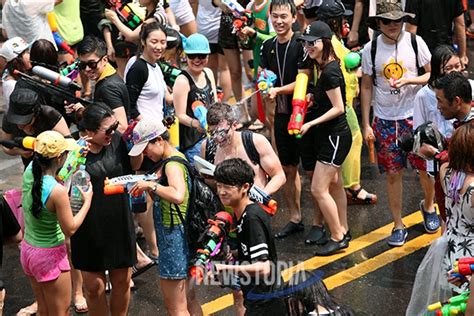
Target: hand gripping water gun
<point>463,267</point>
<point>214,239</point>
<point>200,112</point>
<point>371,143</point>
<point>27,142</point>
<point>126,14</point>
<point>266,80</point>
<point>60,42</point>
<point>74,159</point>
<point>123,184</point>
<point>300,106</point>
<point>454,306</point>
<point>265,200</point>
<point>170,72</point>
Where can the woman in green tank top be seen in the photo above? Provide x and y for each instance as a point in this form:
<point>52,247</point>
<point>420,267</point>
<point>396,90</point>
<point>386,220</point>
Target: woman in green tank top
<point>48,219</point>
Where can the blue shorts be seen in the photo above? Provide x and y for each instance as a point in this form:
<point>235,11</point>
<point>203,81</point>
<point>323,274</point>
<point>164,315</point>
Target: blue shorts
<point>173,262</point>
<point>192,151</point>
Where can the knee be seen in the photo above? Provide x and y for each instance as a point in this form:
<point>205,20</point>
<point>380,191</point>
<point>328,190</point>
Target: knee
<point>394,177</point>
<point>238,297</point>
<point>95,288</point>
<point>290,173</point>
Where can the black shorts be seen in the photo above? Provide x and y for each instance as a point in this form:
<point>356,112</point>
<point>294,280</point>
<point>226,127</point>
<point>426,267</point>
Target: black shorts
<point>287,145</point>
<point>216,49</point>
<point>227,39</point>
<point>327,148</point>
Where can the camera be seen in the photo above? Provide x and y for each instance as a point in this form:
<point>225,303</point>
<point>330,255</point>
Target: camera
<point>426,133</point>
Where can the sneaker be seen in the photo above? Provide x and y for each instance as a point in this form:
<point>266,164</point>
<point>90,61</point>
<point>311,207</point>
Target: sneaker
<point>430,220</point>
<point>290,229</point>
<point>398,237</point>
<point>317,235</point>
<point>331,247</point>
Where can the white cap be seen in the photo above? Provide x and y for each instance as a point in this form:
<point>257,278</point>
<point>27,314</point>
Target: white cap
<point>12,48</point>
<point>145,130</point>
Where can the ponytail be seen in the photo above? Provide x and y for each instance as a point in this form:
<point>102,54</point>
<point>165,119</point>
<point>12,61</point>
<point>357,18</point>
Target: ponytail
<point>37,185</point>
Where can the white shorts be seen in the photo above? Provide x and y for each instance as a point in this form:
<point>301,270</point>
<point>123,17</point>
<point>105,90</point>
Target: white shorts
<point>182,11</point>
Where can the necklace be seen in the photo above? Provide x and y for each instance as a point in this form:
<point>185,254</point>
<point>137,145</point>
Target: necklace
<point>281,68</point>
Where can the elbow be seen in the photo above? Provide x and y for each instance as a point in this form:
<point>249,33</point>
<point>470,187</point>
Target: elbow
<point>178,199</point>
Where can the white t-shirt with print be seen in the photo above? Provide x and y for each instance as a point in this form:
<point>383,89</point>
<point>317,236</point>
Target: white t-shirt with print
<point>394,61</point>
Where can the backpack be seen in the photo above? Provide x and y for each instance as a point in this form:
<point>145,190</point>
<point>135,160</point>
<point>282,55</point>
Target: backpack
<point>373,51</point>
<point>203,204</point>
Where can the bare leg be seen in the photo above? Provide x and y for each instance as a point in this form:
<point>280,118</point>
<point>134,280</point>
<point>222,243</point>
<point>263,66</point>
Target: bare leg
<point>94,283</point>
<point>224,78</point>
<point>235,67</point>
<point>57,294</point>
<point>146,222</point>
<point>174,295</point>
<point>213,64</point>
<point>292,192</point>
<point>395,192</point>
<point>239,308</point>
<point>142,258</point>
<point>194,307</point>
<point>318,219</point>
<point>338,193</point>
<point>247,54</point>
<point>76,277</point>
<point>42,306</point>
<point>120,294</point>
<point>188,28</point>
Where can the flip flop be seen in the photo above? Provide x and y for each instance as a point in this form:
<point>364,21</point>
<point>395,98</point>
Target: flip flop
<point>80,307</point>
<point>28,310</point>
<point>353,197</point>
<point>137,271</point>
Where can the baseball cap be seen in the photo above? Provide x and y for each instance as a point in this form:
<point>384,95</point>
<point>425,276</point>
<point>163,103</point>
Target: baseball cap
<point>144,131</point>
<point>331,9</point>
<point>197,44</point>
<point>13,47</point>
<point>24,103</point>
<point>315,31</point>
<point>51,144</point>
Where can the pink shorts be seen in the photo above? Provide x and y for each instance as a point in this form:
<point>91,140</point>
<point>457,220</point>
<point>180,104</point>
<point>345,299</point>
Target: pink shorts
<point>44,264</point>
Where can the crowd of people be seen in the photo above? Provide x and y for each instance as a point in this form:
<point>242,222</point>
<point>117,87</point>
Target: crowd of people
<point>149,84</point>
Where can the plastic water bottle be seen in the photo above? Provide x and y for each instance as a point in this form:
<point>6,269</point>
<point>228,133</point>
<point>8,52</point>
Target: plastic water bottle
<point>80,179</point>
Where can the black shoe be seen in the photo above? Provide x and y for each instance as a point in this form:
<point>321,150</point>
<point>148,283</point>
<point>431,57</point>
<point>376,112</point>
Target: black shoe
<point>317,235</point>
<point>348,236</point>
<point>289,229</point>
<point>331,247</point>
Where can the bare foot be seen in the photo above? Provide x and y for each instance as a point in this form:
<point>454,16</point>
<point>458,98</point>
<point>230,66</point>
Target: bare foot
<point>29,310</point>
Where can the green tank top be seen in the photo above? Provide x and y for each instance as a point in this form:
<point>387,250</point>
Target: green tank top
<point>166,206</point>
<point>260,15</point>
<point>42,232</point>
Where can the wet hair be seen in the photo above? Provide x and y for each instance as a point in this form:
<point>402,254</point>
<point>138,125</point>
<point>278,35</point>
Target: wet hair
<point>461,155</point>
<point>308,298</point>
<point>234,171</point>
<point>43,53</point>
<point>148,28</point>
<point>39,164</point>
<point>91,44</point>
<point>328,50</point>
<point>17,64</point>
<point>283,3</point>
<point>220,111</point>
<point>454,85</point>
<point>441,56</point>
<point>93,116</point>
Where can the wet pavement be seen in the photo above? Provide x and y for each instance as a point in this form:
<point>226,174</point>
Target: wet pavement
<point>372,279</point>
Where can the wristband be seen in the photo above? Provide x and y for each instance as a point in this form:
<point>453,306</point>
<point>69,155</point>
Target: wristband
<point>154,187</point>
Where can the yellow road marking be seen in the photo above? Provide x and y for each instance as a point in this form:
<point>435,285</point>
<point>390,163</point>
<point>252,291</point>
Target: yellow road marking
<point>316,262</point>
<point>379,261</point>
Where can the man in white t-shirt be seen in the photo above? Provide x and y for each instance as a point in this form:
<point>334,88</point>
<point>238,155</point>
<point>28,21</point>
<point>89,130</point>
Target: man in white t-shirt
<point>391,91</point>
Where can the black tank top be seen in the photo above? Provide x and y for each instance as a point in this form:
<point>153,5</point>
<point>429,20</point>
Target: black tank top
<point>190,136</point>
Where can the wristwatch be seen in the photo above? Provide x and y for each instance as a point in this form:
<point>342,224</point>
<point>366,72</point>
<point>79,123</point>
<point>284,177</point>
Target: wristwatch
<point>154,187</point>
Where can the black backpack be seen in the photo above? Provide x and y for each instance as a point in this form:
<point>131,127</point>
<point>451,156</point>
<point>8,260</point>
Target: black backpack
<point>373,51</point>
<point>203,203</point>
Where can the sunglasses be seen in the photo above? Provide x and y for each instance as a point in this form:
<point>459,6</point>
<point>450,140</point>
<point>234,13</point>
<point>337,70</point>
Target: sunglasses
<point>110,130</point>
<point>91,64</point>
<point>311,43</point>
<point>194,56</point>
<point>388,21</point>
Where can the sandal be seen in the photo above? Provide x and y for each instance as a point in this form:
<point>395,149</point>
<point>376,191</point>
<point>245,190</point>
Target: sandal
<point>80,306</point>
<point>28,310</point>
<point>137,271</point>
<point>431,221</point>
<point>290,229</point>
<point>470,31</point>
<point>353,197</point>
<point>317,235</point>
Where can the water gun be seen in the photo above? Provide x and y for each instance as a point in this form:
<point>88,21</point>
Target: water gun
<point>200,112</point>
<point>123,184</point>
<point>463,267</point>
<point>170,72</point>
<point>242,20</point>
<point>454,306</point>
<point>263,199</point>
<point>353,60</point>
<point>126,14</point>
<point>266,80</point>
<point>60,42</point>
<point>71,70</point>
<point>371,143</point>
<point>74,159</point>
<point>127,136</point>
<point>214,238</point>
<point>235,7</point>
<point>27,143</point>
<point>300,106</point>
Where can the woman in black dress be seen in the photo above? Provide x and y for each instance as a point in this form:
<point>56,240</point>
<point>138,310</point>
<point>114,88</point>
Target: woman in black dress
<point>106,240</point>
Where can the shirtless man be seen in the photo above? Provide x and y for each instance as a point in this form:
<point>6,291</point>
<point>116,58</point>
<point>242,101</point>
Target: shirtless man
<point>226,142</point>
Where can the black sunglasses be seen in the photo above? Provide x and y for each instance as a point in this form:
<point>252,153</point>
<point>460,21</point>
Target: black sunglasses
<point>194,56</point>
<point>91,64</point>
<point>111,129</point>
<point>388,21</point>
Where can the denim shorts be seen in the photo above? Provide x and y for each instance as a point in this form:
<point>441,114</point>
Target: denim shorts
<point>194,150</point>
<point>173,262</point>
